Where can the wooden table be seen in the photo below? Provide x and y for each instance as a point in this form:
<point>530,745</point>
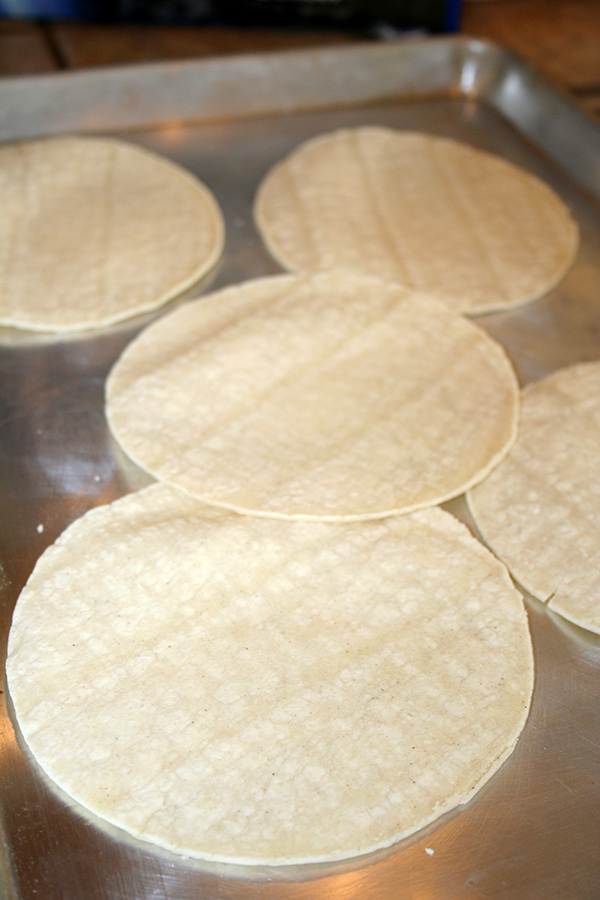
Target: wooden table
<point>560,37</point>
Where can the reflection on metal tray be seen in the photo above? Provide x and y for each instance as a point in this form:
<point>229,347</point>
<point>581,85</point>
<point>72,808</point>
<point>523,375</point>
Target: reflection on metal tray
<point>532,832</point>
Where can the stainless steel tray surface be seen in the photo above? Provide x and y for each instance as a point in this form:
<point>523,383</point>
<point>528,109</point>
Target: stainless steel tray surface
<point>533,832</point>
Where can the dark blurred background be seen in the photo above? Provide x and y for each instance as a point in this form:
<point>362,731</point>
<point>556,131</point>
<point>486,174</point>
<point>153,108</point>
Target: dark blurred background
<point>431,15</point>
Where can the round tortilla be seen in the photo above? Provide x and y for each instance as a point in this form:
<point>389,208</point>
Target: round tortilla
<point>540,509</point>
<point>259,690</point>
<point>326,396</point>
<point>425,211</point>
<point>95,230</point>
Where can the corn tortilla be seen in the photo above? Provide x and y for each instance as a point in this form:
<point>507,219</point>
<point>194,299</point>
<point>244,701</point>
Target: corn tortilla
<point>540,509</point>
<point>428,212</point>
<point>95,230</point>
<point>325,396</point>
<point>258,690</point>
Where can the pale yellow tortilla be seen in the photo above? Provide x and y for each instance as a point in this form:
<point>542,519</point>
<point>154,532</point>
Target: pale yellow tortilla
<point>259,690</point>
<point>328,396</point>
<point>95,230</point>
<point>540,509</point>
<point>425,211</point>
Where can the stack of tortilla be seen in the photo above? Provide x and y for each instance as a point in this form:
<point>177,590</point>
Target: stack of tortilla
<point>97,230</point>
<point>427,212</point>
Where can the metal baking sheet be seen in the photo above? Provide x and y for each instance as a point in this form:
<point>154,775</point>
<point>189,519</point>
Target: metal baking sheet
<point>533,832</point>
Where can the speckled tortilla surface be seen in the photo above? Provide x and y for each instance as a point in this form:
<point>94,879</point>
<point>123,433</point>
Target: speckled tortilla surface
<point>262,690</point>
<point>540,510</point>
<point>324,396</point>
<point>428,212</point>
<point>95,230</point>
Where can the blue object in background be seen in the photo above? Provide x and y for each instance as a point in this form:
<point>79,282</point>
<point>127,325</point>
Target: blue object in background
<point>33,9</point>
<point>49,9</point>
<point>452,22</point>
